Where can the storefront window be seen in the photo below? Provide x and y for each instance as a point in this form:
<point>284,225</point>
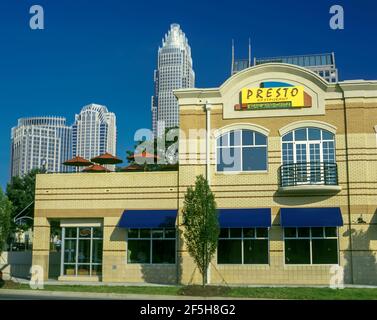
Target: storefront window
<point>242,150</point>
<point>243,246</point>
<point>156,246</point>
<point>82,251</point>
<point>311,245</point>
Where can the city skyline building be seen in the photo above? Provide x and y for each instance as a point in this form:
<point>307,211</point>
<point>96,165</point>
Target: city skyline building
<point>174,71</point>
<point>239,64</point>
<point>94,132</point>
<point>322,63</point>
<point>40,142</point>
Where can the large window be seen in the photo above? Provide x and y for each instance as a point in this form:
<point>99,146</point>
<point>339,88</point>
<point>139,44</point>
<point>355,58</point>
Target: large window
<point>311,245</point>
<point>308,156</point>
<point>82,251</point>
<point>243,246</point>
<point>151,246</point>
<point>308,145</point>
<point>241,150</point>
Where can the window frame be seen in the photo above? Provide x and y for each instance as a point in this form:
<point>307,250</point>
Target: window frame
<point>243,238</point>
<point>77,239</point>
<point>151,238</point>
<point>310,238</point>
<point>240,146</point>
<point>307,143</point>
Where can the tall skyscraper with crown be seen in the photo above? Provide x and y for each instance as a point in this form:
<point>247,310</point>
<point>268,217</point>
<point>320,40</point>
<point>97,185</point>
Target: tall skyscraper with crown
<point>174,71</point>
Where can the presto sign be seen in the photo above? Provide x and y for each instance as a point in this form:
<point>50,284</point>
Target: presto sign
<point>273,98</point>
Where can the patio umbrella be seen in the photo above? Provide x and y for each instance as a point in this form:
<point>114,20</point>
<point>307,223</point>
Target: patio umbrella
<point>132,167</point>
<point>77,162</point>
<point>106,158</point>
<point>143,155</point>
<point>96,168</point>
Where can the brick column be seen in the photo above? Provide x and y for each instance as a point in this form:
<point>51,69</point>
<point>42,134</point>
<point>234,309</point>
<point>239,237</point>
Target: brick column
<point>41,244</point>
<point>114,250</point>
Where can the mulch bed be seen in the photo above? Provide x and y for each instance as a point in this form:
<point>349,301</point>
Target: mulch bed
<point>206,291</point>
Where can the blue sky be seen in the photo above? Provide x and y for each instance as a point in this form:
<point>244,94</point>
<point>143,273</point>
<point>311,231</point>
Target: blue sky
<point>105,51</point>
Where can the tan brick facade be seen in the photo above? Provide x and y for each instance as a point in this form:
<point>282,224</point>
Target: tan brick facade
<point>349,108</point>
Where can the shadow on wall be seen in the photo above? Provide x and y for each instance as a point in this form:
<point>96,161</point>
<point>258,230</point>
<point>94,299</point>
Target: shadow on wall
<point>161,273</point>
<point>363,258</point>
<point>288,200</point>
<point>15,264</point>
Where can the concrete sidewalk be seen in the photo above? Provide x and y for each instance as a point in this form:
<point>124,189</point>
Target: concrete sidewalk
<point>144,284</point>
<point>63,295</point>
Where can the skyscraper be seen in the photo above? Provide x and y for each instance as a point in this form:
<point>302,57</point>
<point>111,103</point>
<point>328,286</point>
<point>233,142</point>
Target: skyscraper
<point>240,64</point>
<point>40,142</point>
<point>174,71</point>
<point>323,63</point>
<point>94,132</point>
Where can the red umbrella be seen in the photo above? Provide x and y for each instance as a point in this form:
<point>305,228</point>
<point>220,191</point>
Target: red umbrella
<point>106,158</point>
<point>96,168</point>
<point>132,167</point>
<point>78,162</point>
<point>144,155</point>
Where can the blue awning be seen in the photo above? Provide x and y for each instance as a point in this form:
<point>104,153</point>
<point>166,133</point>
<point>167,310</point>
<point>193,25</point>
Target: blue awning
<point>245,218</point>
<point>311,217</point>
<point>148,219</point>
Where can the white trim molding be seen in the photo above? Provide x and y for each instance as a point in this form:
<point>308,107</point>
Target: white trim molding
<point>69,223</point>
<point>307,123</point>
<point>240,126</point>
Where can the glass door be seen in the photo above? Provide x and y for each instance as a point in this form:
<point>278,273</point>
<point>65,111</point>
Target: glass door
<point>301,163</point>
<point>315,162</point>
<point>82,251</point>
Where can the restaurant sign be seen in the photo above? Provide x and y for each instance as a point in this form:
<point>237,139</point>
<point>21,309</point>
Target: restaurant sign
<point>273,98</point>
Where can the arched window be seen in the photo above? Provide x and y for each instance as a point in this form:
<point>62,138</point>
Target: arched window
<point>241,150</point>
<point>308,155</point>
<point>308,145</point>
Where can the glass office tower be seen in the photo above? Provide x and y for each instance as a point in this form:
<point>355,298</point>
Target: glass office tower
<point>40,142</point>
<point>94,132</point>
<point>323,64</point>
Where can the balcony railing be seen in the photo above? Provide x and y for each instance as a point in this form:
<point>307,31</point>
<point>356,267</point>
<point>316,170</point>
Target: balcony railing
<point>308,174</point>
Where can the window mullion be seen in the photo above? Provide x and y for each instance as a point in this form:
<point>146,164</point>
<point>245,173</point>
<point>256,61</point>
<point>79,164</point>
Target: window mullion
<point>311,248</point>
<point>77,252</point>
<point>150,250</point>
<point>62,253</point>
<point>91,251</point>
<point>242,247</point>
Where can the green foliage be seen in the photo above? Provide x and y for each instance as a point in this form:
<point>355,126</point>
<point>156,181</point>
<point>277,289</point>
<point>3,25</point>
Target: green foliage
<point>5,218</point>
<point>165,147</point>
<point>200,219</point>
<point>21,192</point>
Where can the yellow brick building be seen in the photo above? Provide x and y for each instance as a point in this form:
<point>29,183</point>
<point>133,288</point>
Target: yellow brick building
<point>292,161</point>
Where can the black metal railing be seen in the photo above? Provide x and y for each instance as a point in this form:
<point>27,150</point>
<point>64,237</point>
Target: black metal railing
<point>308,173</point>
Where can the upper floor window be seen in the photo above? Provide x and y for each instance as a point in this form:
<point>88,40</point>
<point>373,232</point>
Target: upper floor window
<point>308,145</point>
<point>241,150</point>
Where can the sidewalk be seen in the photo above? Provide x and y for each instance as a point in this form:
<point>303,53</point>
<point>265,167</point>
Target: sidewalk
<point>144,284</point>
<point>37,294</point>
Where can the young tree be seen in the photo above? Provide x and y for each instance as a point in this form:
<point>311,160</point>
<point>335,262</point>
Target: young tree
<point>200,219</point>
<point>21,192</point>
<point>5,216</point>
